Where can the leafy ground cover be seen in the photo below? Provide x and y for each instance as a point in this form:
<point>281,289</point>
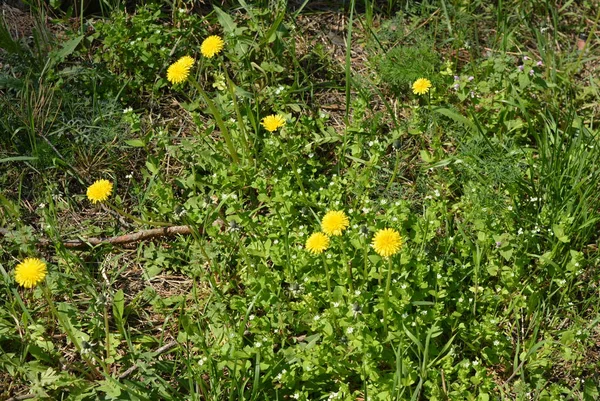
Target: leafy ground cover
<point>284,200</point>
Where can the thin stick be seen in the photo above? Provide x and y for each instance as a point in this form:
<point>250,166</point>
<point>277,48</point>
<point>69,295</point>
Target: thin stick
<point>159,351</point>
<point>118,240</point>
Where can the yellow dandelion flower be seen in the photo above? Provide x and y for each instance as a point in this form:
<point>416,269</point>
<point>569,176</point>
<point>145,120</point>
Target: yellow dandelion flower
<point>317,243</point>
<point>273,122</point>
<point>30,272</point>
<point>99,191</point>
<point>211,46</point>
<point>421,86</point>
<point>334,222</point>
<point>387,242</point>
<point>179,70</point>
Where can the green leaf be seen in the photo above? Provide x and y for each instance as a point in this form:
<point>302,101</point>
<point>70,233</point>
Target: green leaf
<point>225,20</point>
<point>456,117</point>
<point>136,143</point>
<point>559,232</point>
<point>17,159</point>
<point>119,304</point>
<point>68,47</point>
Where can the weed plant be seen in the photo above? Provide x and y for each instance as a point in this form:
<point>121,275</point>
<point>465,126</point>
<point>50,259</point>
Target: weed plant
<point>438,243</point>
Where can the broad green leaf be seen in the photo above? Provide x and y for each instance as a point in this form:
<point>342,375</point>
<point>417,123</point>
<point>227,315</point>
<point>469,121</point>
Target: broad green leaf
<point>119,304</point>
<point>456,117</point>
<point>225,20</point>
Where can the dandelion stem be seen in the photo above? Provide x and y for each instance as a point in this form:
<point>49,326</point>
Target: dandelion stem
<point>348,265</point>
<point>328,278</point>
<point>393,177</point>
<point>107,332</point>
<point>215,112</point>
<point>242,126</point>
<point>366,268</point>
<point>386,296</point>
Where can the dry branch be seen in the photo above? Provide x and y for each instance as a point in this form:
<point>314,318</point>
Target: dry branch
<point>159,351</point>
<point>119,240</point>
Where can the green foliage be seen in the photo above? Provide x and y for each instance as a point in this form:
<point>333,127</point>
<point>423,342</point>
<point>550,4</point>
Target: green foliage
<point>402,65</point>
<point>491,180</point>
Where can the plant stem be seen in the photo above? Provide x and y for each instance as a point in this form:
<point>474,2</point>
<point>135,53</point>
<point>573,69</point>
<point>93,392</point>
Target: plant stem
<point>137,220</point>
<point>327,277</point>
<point>393,177</point>
<point>386,295</point>
<point>107,332</point>
<point>68,332</point>
<point>242,126</point>
<point>348,265</point>
<point>215,112</point>
<point>366,268</point>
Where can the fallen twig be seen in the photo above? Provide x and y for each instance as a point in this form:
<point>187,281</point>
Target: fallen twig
<point>21,397</point>
<point>119,240</point>
<point>158,351</point>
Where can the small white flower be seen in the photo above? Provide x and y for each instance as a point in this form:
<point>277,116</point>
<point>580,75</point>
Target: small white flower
<point>350,330</point>
<point>316,318</point>
<point>357,292</point>
<point>127,110</point>
<point>251,317</point>
<point>496,343</point>
<point>336,304</point>
<point>258,344</point>
<point>475,362</point>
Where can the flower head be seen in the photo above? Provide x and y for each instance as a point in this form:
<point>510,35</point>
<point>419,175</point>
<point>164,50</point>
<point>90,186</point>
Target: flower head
<point>387,242</point>
<point>273,122</point>
<point>30,272</point>
<point>211,46</point>
<point>421,86</point>
<point>99,191</point>
<point>179,70</point>
<point>334,222</point>
<point>317,243</point>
